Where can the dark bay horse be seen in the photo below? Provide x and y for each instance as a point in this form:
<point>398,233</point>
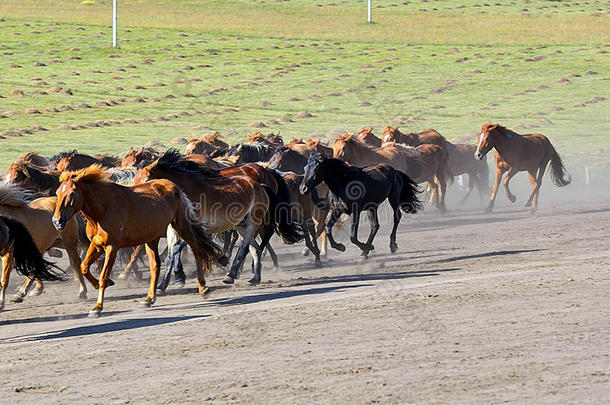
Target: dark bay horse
<point>516,153</point>
<point>354,190</point>
<point>34,159</point>
<point>462,161</point>
<point>17,248</point>
<point>119,216</point>
<point>40,182</point>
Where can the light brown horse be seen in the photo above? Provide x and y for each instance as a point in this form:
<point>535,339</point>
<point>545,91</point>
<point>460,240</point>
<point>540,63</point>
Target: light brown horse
<point>428,136</point>
<point>135,157</point>
<point>425,163</point>
<point>119,216</point>
<point>319,147</point>
<point>516,153</point>
<point>36,217</point>
<point>367,137</point>
<point>225,203</point>
<point>206,145</point>
<point>34,159</point>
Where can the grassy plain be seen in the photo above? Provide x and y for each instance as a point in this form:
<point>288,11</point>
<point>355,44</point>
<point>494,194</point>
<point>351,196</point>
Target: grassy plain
<point>190,67</point>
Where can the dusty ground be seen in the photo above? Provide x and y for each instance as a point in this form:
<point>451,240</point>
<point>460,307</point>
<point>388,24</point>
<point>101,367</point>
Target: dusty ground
<point>473,309</point>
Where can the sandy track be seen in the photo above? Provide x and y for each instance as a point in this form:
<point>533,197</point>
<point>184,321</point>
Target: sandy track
<point>473,308</point>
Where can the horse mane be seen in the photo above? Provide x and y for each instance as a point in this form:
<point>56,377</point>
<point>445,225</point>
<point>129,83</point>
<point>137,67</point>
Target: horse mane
<point>388,129</point>
<point>365,130</point>
<point>42,179</point>
<point>122,175</point>
<point>61,155</point>
<point>92,174</point>
<point>251,152</point>
<point>13,196</point>
<point>503,130</point>
<point>172,160</point>
<point>402,147</point>
<point>256,137</point>
<point>32,158</point>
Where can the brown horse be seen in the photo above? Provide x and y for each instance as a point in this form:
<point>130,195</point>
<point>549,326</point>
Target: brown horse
<point>425,163</point>
<point>135,157</point>
<point>367,137</point>
<point>516,153</point>
<point>119,216</point>
<point>272,140</point>
<point>318,146</point>
<point>205,160</point>
<point>76,161</point>
<point>34,159</point>
<point>462,161</point>
<point>226,203</point>
<point>299,146</point>
<point>206,145</point>
<point>17,248</point>
<point>36,217</point>
<point>41,183</point>
<point>428,136</point>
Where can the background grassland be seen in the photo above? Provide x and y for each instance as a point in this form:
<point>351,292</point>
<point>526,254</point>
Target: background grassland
<point>241,66</point>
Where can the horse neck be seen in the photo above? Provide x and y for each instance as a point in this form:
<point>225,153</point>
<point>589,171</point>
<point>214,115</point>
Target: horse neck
<point>360,153</point>
<point>97,198</point>
<point>334,174</point>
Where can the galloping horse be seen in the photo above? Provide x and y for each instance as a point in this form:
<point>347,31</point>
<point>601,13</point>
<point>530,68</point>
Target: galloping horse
<point>17,248</point>
<point>40,183</point>
<point>367,137</point>
<point>354,190</point>
<point>206,145</point>
<point>226,203</point>
<point>462,161</point>
<point>516,153</point>
<point>36,217</point>
<point>76,161</point>
<point>119,216</point>
<point>428,136</point>
<point>423,164</point>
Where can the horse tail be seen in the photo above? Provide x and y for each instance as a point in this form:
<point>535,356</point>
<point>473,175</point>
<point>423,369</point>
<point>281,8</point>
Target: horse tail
<point>280,216</point>
<point>558,171</point>
<point>210,251</point>
<point>444,167</point>
<point>409,202</point>
<point>483,176</point>
<point>28,260</point>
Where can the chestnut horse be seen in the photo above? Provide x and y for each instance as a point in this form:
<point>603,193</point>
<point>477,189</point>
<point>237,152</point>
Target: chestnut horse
<point>319,147</point>
<point>516,153</point>
<point>428,136</point>
<point>367,137</point>
<point>119,216</point>
<point>17,248</point>
<point>207,145</point>
<point>136,157</point>
<point>36,217</point>
<point>76,161</point>
<point>34,159</point>
<point>425,163</point>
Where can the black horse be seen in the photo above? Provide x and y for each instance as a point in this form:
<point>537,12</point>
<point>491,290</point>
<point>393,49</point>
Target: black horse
<point>353,190</point>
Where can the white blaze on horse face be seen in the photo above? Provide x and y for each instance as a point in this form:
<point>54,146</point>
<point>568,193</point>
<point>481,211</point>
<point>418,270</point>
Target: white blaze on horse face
<point>480,142</point>
<point>63,188</point>
<point>190,147</point>
<point>7,178</point>
<point>386,138</point>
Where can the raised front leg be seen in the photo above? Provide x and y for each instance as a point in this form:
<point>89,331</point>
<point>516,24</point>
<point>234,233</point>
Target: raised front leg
<point>152,251</point>
<point>494,191</point>
<point>93,253</point>
<point>110,252</point>
<point>536,190</point>
<point>332,220</point>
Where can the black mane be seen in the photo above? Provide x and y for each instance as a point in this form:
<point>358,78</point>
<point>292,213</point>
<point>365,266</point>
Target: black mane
<point>173,160</point>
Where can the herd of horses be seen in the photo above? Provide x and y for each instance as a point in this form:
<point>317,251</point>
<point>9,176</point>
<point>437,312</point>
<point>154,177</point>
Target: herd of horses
<point>218,196</point>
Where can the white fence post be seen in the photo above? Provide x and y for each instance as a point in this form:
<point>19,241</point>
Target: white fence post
<point>370,16</point>
<point>114,23</point>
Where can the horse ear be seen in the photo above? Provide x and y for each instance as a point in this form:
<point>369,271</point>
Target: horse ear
<point>369,130</point>
<point>492,127</point>
<point>396,128</point>
<point>394,142</point>
<point>239,147</point>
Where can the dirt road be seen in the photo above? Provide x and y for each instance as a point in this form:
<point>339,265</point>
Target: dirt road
<point>472,309</point>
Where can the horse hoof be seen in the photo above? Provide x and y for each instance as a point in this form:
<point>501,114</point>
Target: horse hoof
<point>340,247</point>
<point>1,306</point>
<point>95,313</point>
<point>393,248</point>
<point>122,276</point>
<point>179,284</point>
<point>305,252</point>
<point>487,211</point>
<point>82,295</point>
<point>317,263</point>
<point>254,281</point>
<point>203,291</point>
<point>146,303</point>
<point>17,299</point>
<point>161,291</point>
<point>512,198</point>
<point>109,283</point>
<point>228,279</point>
<point>35,292</point>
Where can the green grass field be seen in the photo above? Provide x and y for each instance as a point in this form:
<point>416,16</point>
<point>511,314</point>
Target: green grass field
<point>187,68</point>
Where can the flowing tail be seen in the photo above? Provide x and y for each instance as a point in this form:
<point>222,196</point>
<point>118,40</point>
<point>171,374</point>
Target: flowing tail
<point>281,218</point>
<point>558,172</point>
<point>210,251</point>
<point>409,202</point>
<point>27,259</point>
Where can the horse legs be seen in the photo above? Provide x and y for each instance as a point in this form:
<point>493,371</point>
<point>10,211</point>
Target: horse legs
<point>256,252</point>
<point>248,233</point>
<point>509,175</point>
<point>152,251</point>
<point>75,264</point>
<point>110,252</point>
<point>397,217</point>
<point>172,262</point>
<point>471,180</point>
<point>265,234</point>
<point>374,221</point>
<point>135,255</point>
<point>311,242</point>
<point>332,219</point>
<point>494,191</point>
<point>93,253</point>
<point>443,192</point>
<point>536,190</point>
<point>7,262</point>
